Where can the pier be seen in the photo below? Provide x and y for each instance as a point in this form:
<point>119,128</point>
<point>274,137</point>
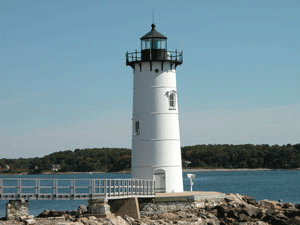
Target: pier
<point>74,189</point>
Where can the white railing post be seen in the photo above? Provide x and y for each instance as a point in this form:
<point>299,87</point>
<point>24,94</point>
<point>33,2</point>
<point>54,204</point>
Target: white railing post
<point>55,183</point>
<point>93,188</point>
<point>114,187</point>
<point>105,191</point>
<point>1,186</point>
<point>109,186</point>
<point>90,188</point>
<point>72,187</point>
<point>37,188</point>
<point>99,186</point>
<point>19,187</point>
<point>127,182</point>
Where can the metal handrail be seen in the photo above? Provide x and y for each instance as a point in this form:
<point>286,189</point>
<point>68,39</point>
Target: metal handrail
<point>37,189</point>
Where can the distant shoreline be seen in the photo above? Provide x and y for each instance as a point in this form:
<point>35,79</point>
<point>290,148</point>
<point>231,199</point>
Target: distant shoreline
<point>228,170</point>
<point>184,170</point>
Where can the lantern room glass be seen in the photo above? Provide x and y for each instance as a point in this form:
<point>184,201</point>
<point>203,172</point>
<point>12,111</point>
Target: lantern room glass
<point>154,44</point>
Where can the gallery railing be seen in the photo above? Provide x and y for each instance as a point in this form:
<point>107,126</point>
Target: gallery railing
<point>154,55</point>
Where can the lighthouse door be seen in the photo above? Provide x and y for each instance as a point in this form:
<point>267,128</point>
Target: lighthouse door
<point>159,177</point>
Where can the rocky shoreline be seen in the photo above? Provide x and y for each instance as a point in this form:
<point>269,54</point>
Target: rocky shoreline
<point>235,209</point>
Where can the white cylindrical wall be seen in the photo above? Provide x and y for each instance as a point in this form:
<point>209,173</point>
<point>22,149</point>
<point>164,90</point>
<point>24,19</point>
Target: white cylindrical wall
<point>157,144</point>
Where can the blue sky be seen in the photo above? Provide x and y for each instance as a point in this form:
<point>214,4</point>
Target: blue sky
<point>64,83</point>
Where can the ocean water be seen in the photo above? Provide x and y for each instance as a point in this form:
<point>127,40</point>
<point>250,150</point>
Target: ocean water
<point>272,185</point>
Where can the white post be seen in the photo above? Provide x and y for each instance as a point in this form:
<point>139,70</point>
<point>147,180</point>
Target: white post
<point>191,177</point>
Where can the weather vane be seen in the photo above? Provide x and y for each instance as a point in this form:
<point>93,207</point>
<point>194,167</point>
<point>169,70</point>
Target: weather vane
<point>153,16</point>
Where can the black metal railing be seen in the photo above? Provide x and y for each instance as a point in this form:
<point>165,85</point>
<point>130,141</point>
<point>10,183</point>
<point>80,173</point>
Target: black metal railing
<point>172,56</point>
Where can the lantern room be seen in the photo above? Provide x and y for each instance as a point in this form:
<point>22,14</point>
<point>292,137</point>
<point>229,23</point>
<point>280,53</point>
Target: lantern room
<point>153,45</point>
<point>153,48</point>
<point>153,40</point>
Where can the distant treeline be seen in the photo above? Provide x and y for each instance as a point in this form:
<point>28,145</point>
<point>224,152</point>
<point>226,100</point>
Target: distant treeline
<point>198,156</point>
<point>242,156</point>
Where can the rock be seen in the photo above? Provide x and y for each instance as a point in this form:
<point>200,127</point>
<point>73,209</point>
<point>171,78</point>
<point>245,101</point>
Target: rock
<point>254,223</point>
<point>212,220</point>
<point>233,214</point>
<point>249,200</point>
<point>82,209</point>
<point>281,216</point>
<point>68,223</point>
<point>171,217</point>
<point>279,221</point>
<point>291,213</point>
<point>82,219</point>
<point>118,221</point>
<point>23,218</point>
<point>92,218</point>
<point>128,219</point>
<point>51,213</point>
<point>288,205</point>
<point>30,221</point>
<point>297,218</point>
<point>43,214</point>
<point>260,223</point>
<point>297,206</point>
<point>69,217</point>
<point>236,198</point>
<point>243,218</point>
<point>251,211</point>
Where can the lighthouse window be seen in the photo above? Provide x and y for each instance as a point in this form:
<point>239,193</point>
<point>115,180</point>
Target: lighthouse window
<point>137,127</point>
<point>155,44</point>
<point>172,101</point>
<point>163,44</point>
<point>145,44</point>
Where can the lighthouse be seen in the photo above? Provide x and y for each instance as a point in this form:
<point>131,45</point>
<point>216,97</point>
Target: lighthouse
<point>156,149</point>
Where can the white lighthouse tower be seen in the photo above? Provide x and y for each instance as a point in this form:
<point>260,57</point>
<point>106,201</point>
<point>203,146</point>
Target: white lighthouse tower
<point>156,149</point>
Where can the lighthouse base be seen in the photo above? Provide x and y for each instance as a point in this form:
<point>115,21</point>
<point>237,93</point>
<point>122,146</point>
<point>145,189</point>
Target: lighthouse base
<point>167,179</point>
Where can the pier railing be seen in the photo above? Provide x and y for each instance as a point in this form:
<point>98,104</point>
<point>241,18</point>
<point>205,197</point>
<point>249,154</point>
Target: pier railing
<point>74,189</point>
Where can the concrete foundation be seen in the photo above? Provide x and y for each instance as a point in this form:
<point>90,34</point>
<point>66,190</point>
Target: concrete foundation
<point>16,208</point>
<point>99,208</point>
<point>126,206</point>
<point>170,202</point>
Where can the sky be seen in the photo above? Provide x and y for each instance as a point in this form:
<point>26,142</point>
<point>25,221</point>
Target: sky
<point>64,84</point>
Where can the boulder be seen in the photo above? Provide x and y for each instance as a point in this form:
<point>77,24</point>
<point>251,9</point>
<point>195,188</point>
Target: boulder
<point>288,206</point>
<point>249,200</point>
<point>291,213</point>
<point>51,213</point>
<point>251,211</point>
<point>243,218</point>
<point>222,210</point>
<point>82,209</point>
<point>234,198</point>
<point>30,221</point>
<point>128,219</point>
<point>212,220</point>
<point>233,214</point>
<point>279,221</point>
<point>118,221</point>
<point>68,223</point>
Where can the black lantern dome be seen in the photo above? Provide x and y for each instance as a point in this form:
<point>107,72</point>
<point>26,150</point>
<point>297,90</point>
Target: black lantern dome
<point>153,45</point>
<point>153,48</point>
